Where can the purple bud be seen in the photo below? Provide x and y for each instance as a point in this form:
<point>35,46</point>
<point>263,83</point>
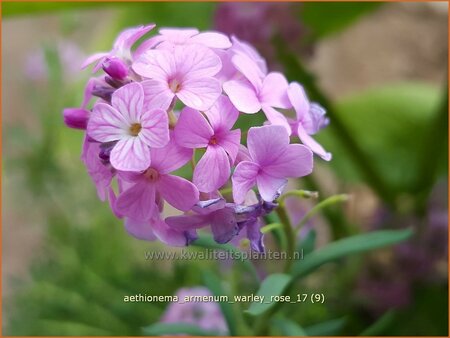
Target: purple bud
<point>116,68</point>
<point>76,118</point>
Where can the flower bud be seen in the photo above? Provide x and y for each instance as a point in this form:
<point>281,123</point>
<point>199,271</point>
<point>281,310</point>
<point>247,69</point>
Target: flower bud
<point>76,118</point>
<point>116,68</point>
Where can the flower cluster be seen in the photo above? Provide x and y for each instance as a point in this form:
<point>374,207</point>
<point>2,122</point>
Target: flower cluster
<point>175,98</point>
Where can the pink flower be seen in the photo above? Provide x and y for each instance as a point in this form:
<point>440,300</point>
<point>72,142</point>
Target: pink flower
<point>135,128</point>
<point>186,73</point>
<point>139,201</point>
<point>222,144</point>
<point>258,91</point>
<point>305,124</point>
<point>273,160</point>
<point>122,46</point>
<point>169,38</point>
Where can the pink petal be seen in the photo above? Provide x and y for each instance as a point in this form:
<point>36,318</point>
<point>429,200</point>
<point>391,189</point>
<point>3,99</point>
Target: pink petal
<point>312,144</point>
<point>241,47</point>
<point>170,158</point>
<point>155,64</point>
<point>223,225</point>
<point>157,94</point>
<point>139,229</point>
<point>249,69</point>
<point>222,115</point>
<point>147,45</point>
<point>244,178</point>
<point>187,222</point>
<point>128,37</point>
<point>265,144</point>
<point>137,202</point>
<point>97,57</point>
<point>130,154</point>
<point>178,192</point>
<point>178,35</point>
<point>200,93</point>
<point>242,95</point>
<point>274,91</point>
<point>230,142</point>
<point>213,169</point>
<point>269,187</point>
<point>276,118</point>
<point>196,62</point>
<point>155,128</point>
<point>211,40</point>
<point>100,174</point>
<point>106,124</point>
<point>295,161</point>
<point>168,235</point>
<point>299,100</point>
<point>192,130</point>
<point>129,100</point>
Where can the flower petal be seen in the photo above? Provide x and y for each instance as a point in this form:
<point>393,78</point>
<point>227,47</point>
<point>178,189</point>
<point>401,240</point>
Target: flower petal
<point>265,144</point>
<point>213,169</point>
<point>200,93</point>
<point>211,40</point>
<point>137,202</point>
<point>130,154</point>
<point>249,69</point>
<point>129,100</point>
<point>139,229</point>
<point>196,62</point>
<point>106,124</point>
<point>295,161</point>
<point>155,64</point>
<point>244,178</point>
<point>276,118</point>
<point>274,91</point>
<point>157,94</point>
<point>178,192</point>
<point>223,225</point>
<point>168,235</point>
<point>192,129</point>
<point>128,37</point>
<point>155,128</point>
<point>222,115</point>
<point>299,100</point>
<point>170,158</point>
<point>97,57</point>
<point>187,222</point>
<point>269,187</point>
<point>312,144</point>
<point>230,142</point>
<point>242,95</point>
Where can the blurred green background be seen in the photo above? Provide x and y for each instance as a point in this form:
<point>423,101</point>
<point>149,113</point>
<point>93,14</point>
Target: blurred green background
<point>379,69</point>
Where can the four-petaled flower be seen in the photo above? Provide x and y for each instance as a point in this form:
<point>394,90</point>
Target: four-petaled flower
<point>135,128</point>
<point>222,144</point>
<point>272,161</point>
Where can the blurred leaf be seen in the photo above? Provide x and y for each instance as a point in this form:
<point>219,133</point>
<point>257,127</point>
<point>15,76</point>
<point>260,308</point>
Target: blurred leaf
<point>273,285</point>
<point>214,285</point>
<point>48,327</point>
<point>161,329</point>
<point>390,123</point>
<point>328,328</point>
<point>324,19</point>
<point>347,246</point>
<point>307,243</point>
<point>379,328</point>
<point>288,328</point>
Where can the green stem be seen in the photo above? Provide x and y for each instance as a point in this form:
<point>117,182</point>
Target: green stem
<point>290,235</point>
<point>298,194</point>
<point>318,207</point>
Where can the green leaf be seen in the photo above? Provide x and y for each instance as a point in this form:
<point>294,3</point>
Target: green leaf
<point>327,18</point>
<point>273,285</point>
<point>214,285</point>
<point>328,328</point>
<point>308,243</point>
<point>160,329</point>
<point>379,327</point>
<point>209,243</point>
<point>347,246</point>
<point>288,328</point>
<point>22,8</point>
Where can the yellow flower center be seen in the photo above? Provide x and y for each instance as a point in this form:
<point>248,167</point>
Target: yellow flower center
<point>135,128</point>
<point>151,174</point>
<point>174,86</point>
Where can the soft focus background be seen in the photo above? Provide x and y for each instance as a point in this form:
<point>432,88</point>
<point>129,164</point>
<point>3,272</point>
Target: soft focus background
<point>380,69</point>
